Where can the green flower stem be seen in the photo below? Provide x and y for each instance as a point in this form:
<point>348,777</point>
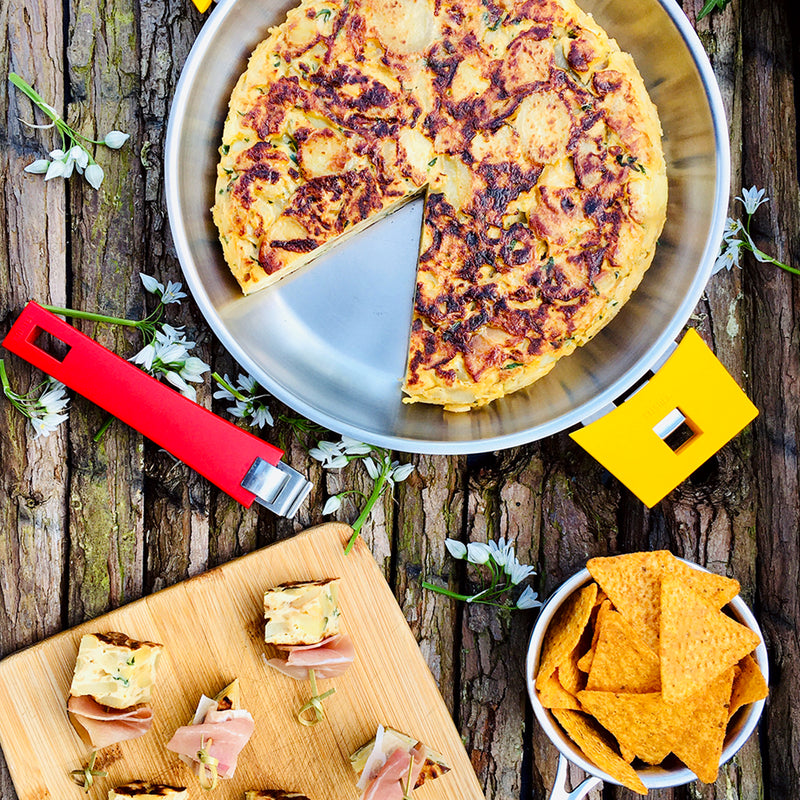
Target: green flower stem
<point>225,385</point>
<point>489,593</point>
<point>351,491</point>
<point>69,312</point>
<point>103,428</point>
<point>45,107</point>
<point>408,788</point>
<point>750,245</point>
<point>7,391</point>
<point>20,402</point>
<point>474,598</point>
<point>446,592</point>
<point>32,95</point>
<point>778,263</point>
<point>377,490</point>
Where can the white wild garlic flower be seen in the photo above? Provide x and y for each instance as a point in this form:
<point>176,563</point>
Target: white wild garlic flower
<point>167,356</point>
<point>171,294</point>
<point>378,464</point>
<point>736,236</point>
<point>45,410</point>
<point>73,155</point>
<point>248,399</point>
<point>505,572</point>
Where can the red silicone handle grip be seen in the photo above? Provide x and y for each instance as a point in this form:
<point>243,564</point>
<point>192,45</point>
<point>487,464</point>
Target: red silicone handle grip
<point>209,444</point>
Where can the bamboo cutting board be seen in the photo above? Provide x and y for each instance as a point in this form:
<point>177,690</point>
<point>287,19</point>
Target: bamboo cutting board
<point>212,630</point>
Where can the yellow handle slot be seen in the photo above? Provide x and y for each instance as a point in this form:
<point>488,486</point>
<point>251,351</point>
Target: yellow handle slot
<point>692,382</point>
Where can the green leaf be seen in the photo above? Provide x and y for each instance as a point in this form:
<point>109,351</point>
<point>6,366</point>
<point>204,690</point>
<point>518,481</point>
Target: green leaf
<point>710,6</point>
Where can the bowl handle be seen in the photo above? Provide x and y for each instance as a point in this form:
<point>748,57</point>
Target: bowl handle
<point>560,786</point>
<point>692,391</point>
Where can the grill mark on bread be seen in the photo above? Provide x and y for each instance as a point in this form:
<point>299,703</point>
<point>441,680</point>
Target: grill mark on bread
<point>117,639</point>
<point>136,788</point>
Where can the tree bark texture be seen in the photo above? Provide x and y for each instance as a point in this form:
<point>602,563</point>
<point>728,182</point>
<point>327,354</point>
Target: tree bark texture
<point>85,527</point>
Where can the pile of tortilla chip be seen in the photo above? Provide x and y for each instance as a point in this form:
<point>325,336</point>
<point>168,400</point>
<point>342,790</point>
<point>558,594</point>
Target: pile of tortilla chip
<point>643,663</point>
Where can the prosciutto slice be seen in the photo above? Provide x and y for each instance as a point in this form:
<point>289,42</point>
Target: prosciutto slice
<point>393,776</point>
<point>223,734</point>
<point>103,726</point>
<point>329,658</point>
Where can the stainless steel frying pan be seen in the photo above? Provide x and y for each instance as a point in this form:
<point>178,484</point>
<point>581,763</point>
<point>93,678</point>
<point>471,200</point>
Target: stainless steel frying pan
<point>331,341</point>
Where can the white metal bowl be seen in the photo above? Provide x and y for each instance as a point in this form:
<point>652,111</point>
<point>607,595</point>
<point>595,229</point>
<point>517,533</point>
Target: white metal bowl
<point>331,341</point>
<point>655,777</point>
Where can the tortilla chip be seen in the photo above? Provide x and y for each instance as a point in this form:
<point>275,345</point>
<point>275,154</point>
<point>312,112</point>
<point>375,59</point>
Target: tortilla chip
<point>700,744</point>
<point>717,589</point>
<point>627,755</point>
<point>585,661</point>
<point>594,744</point>
<point>622,661</point>
<point>748,685</point>
<point>569,676</point>
<point>698,642</point>
<point>641,723</point>
<point>566,628</point>
<point>633,583</point>
<point>553,695</point>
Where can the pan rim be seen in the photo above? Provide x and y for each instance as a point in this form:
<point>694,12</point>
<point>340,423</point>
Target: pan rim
<point>586,410</point>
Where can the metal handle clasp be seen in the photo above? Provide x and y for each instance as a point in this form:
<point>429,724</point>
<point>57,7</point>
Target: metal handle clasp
<point>281,489</point>
<point>560,791</point>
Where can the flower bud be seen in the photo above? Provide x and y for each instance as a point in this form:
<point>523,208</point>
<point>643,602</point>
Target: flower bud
<point>38,167</point>
<point>478,553</point>
<point>55,170</point>
<point>94,175</point>
<point>455,548</point>
<point>115,139</point>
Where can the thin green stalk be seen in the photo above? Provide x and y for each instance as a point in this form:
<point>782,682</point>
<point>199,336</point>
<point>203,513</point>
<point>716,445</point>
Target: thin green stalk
<point>4,379</point>
<point>102,432</point>
<point>751,245</point>
<point>408,787</point>
<point>47,109</point>
<point>779,263</point>
<point>475,598</point>
<point>146,325</point>
<point>225,385</point>
<point>69,312</point>
<point>377,490</point>
<point>315,703</point>
<point>33,95</point>
<point>21,402</point>
<point>446,592</point>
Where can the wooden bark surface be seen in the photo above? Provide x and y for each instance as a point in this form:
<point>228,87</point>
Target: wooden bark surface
<point>85,527</point>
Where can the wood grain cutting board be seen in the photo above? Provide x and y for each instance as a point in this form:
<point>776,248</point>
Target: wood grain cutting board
<point>212,629</point>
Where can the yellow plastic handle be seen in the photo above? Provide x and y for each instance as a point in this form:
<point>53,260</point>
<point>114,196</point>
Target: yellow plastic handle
<point>693,382</point>
<point>202,5</point>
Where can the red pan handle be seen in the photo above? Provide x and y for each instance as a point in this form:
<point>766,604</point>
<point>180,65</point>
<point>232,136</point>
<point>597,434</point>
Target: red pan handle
<point>209,444</point>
